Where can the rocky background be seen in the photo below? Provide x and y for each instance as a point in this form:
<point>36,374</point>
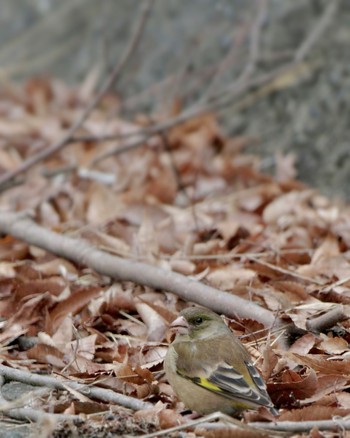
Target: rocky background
<point>184,43</point>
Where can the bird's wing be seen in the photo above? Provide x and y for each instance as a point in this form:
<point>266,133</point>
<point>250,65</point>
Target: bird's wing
<point>230,383</point>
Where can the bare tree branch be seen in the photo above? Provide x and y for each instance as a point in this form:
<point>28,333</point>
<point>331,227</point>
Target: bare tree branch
<point>261,86</point>
<point>255,37</point>
<point>315,35</point>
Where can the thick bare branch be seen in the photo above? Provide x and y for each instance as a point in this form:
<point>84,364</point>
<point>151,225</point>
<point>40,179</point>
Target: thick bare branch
<point>82,252</point>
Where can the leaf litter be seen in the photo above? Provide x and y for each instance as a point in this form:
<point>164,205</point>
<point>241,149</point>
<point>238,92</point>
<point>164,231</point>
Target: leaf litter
<point>199,206</point>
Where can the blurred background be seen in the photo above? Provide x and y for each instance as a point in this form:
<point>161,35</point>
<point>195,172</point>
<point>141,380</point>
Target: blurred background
<point>292,57</point>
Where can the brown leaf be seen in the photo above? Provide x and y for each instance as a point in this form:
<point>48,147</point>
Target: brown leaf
<point>285,166</point>
<point>150,415</point>
<point>327,385</point>
<point>11,249</point>
<point>152,356</point>
<point>75,302</point>
<point>48,355</point>
<point>112,300</point>
<point>56,266</point>
<point>328,249</point>
<point>102,204</point>
<point>184,267</point>
<point>52,286</point>
<point>269,361</point>
<point>322,364</point>
<point>228,277</point>
<point>156,326</point>
<point>161,306</point>
<point>333,345</point>
<point>343,400</point>
<point>304,344</point>
<point>170,418</point>
<point>292,386</point>
<point>63,334</point>
<point>84,347</point>
<point>294,291</point>
<point>283,209</point>
<point>311,414</point>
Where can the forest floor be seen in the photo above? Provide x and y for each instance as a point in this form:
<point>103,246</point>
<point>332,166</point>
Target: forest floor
<point>112,223</point>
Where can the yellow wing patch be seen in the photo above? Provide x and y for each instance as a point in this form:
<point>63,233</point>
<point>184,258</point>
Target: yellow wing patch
<point>206,384</point>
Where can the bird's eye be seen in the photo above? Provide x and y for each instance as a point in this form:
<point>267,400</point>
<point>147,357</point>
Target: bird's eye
<point>198,320</point>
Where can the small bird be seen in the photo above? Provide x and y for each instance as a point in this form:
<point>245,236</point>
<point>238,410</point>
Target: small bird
<point>209,369</point>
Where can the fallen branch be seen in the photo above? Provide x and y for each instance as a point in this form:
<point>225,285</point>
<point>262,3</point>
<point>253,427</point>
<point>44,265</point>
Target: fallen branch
<point>327,320</point>
<point>259,428</point>
<point>226,422</point>
<point>80,251</point>
<point>105,395</point>
<point>110,81</point>
<point>304,426</point>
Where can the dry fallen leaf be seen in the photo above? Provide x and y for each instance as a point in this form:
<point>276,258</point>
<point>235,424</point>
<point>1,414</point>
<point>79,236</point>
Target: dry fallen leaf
<point>196,205</point>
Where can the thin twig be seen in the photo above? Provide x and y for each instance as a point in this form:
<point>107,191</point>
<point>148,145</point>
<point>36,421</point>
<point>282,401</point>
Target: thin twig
<point>268,82</point>
<point>261,427</point>
<point>337,283</point>
<point>304,426</point>
<point>315,35</point>
<point>229,59</point>
<point>227,421</point>
<point>110,81</point>
<point>285,271</point>
<point>254,44</point>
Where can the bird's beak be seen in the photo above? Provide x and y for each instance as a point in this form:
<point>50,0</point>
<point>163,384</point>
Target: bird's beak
<point>180,326</point>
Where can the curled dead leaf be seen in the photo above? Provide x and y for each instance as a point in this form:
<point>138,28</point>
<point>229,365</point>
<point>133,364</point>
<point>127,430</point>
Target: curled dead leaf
<point>150,415</point>
<point>304,344</point>
<point>333,345</point>
<point>170,418</point>
<point>156,326</point>
<point>322,364</point>
<point>228,277</point>
<point>292,386</point>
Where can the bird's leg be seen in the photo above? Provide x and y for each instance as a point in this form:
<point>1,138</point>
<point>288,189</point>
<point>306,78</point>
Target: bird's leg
<point>190,415</point>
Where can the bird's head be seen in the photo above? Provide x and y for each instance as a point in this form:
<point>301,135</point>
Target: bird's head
<point>197,323</point>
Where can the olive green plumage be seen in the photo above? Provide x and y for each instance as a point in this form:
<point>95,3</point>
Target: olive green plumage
<point>208,367</point>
